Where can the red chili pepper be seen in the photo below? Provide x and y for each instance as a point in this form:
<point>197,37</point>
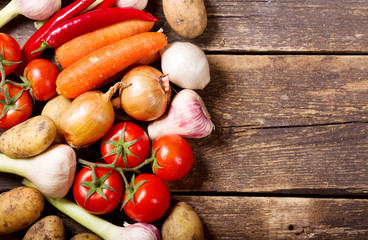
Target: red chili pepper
<point>35,40</point>
<point>90,21</point>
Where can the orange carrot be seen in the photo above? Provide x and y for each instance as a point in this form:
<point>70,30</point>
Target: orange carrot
<point>94,69</point>
<point>80,46</point>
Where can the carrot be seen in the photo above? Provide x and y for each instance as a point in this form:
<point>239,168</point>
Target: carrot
<point>80,46</point>
<point>94,69</point>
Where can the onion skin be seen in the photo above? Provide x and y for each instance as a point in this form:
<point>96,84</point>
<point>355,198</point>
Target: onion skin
<point>88,118</point>
<point>149,94</point>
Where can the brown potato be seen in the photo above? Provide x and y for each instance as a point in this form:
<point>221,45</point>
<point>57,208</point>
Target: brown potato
<point>19,208</point>
<point>86,236</point>
<point>50,227</point>
<point>182,223</point>
<point>187,18</point>
<point>54,109</point>
<point>28,138</point>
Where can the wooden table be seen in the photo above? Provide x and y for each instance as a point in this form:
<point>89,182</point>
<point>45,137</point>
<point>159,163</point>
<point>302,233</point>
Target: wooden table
<point>288,97</point>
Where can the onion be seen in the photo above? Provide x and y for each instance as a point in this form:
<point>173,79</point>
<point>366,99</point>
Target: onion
<point>148,96</point>
<point>186,64</point>
<point>32,9</point>
<point>89,117</point>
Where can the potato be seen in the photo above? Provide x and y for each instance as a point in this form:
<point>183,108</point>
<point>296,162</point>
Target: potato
<point>182,223</point>
<point>49,227</point>
<point>28,138</point>
<point>19,208</point>
<point>54,109</point>
<point>187,18</point>
<point>86,236</point>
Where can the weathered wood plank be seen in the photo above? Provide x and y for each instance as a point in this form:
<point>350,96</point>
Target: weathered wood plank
<point>265,218</point>
<point>329,159</point>
<point>281,218</point>
<point>286,90</point>
<point>264,26</point>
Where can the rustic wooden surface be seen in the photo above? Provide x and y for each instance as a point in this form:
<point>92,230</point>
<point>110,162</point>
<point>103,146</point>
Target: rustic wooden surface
<point>288,97</point>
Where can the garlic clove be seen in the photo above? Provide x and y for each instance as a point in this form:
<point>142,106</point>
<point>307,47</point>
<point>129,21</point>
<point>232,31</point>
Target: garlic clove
<point>137,4</point>
<point>187,117</point>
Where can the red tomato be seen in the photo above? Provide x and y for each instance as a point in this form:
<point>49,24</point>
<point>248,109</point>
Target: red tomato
<point>151,200</point>
<point>96,204</point>
<point>42,74</point>
<point>174,155</point>
<point>12,52</point>
<point>13,117</point>
<point>138,151</point>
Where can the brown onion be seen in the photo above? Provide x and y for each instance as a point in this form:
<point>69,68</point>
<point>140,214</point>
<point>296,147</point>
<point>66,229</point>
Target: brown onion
<point>89,117</point>
<point>148,96</point>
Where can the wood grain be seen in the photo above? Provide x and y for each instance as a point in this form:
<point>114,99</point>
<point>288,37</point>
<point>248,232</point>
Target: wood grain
<point>263,218</point>
<point>286,90</point>
<point>264,26</point>
<point>281,218</point>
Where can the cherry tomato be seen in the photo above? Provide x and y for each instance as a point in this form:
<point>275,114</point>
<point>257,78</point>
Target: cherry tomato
<point>96,204</point>
<point>132,132</point>
<point>151,200</point>
<point>42,75</point>
<point>12,52</point>
<point>174,156</point>
<point>13,116</point>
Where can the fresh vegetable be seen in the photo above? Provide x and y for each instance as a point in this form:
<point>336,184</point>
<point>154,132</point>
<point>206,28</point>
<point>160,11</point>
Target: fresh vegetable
<point>195,75</point>
<point>147,199</point>
<point>137,4</point>
<point>187,117</point>
<point>32,9</point>
<point>82,45</point>
<point>127,140</point>
<point>174,157</point>
<point>148,96</point>
<point>10,53</point>
<point>91,21</point>
<point>41,74</point>
<point>92,70</point>
<point>54,109</point>
<point>49,227</point>
<point>16,105</point>
<point>182,222</point>
<point>101,227</point>
<point>186,18</point>
<point>51,171</point>
<point>34,42</point>
<point>19,208</point>
<point>85,236</point>
<point>89,117</point>
<point>98,190</point>
<point>28,138</point>
<point>105,4</point>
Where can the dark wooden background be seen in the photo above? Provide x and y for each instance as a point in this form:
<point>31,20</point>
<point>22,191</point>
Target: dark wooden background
<point>288,97</point>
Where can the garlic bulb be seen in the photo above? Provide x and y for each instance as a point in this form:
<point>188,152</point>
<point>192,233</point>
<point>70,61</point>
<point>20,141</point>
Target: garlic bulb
<point>186,64</point>
<point>187,117</point>
<point>137,4</point>
<point>52,171</point>
<point>32,9</point>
